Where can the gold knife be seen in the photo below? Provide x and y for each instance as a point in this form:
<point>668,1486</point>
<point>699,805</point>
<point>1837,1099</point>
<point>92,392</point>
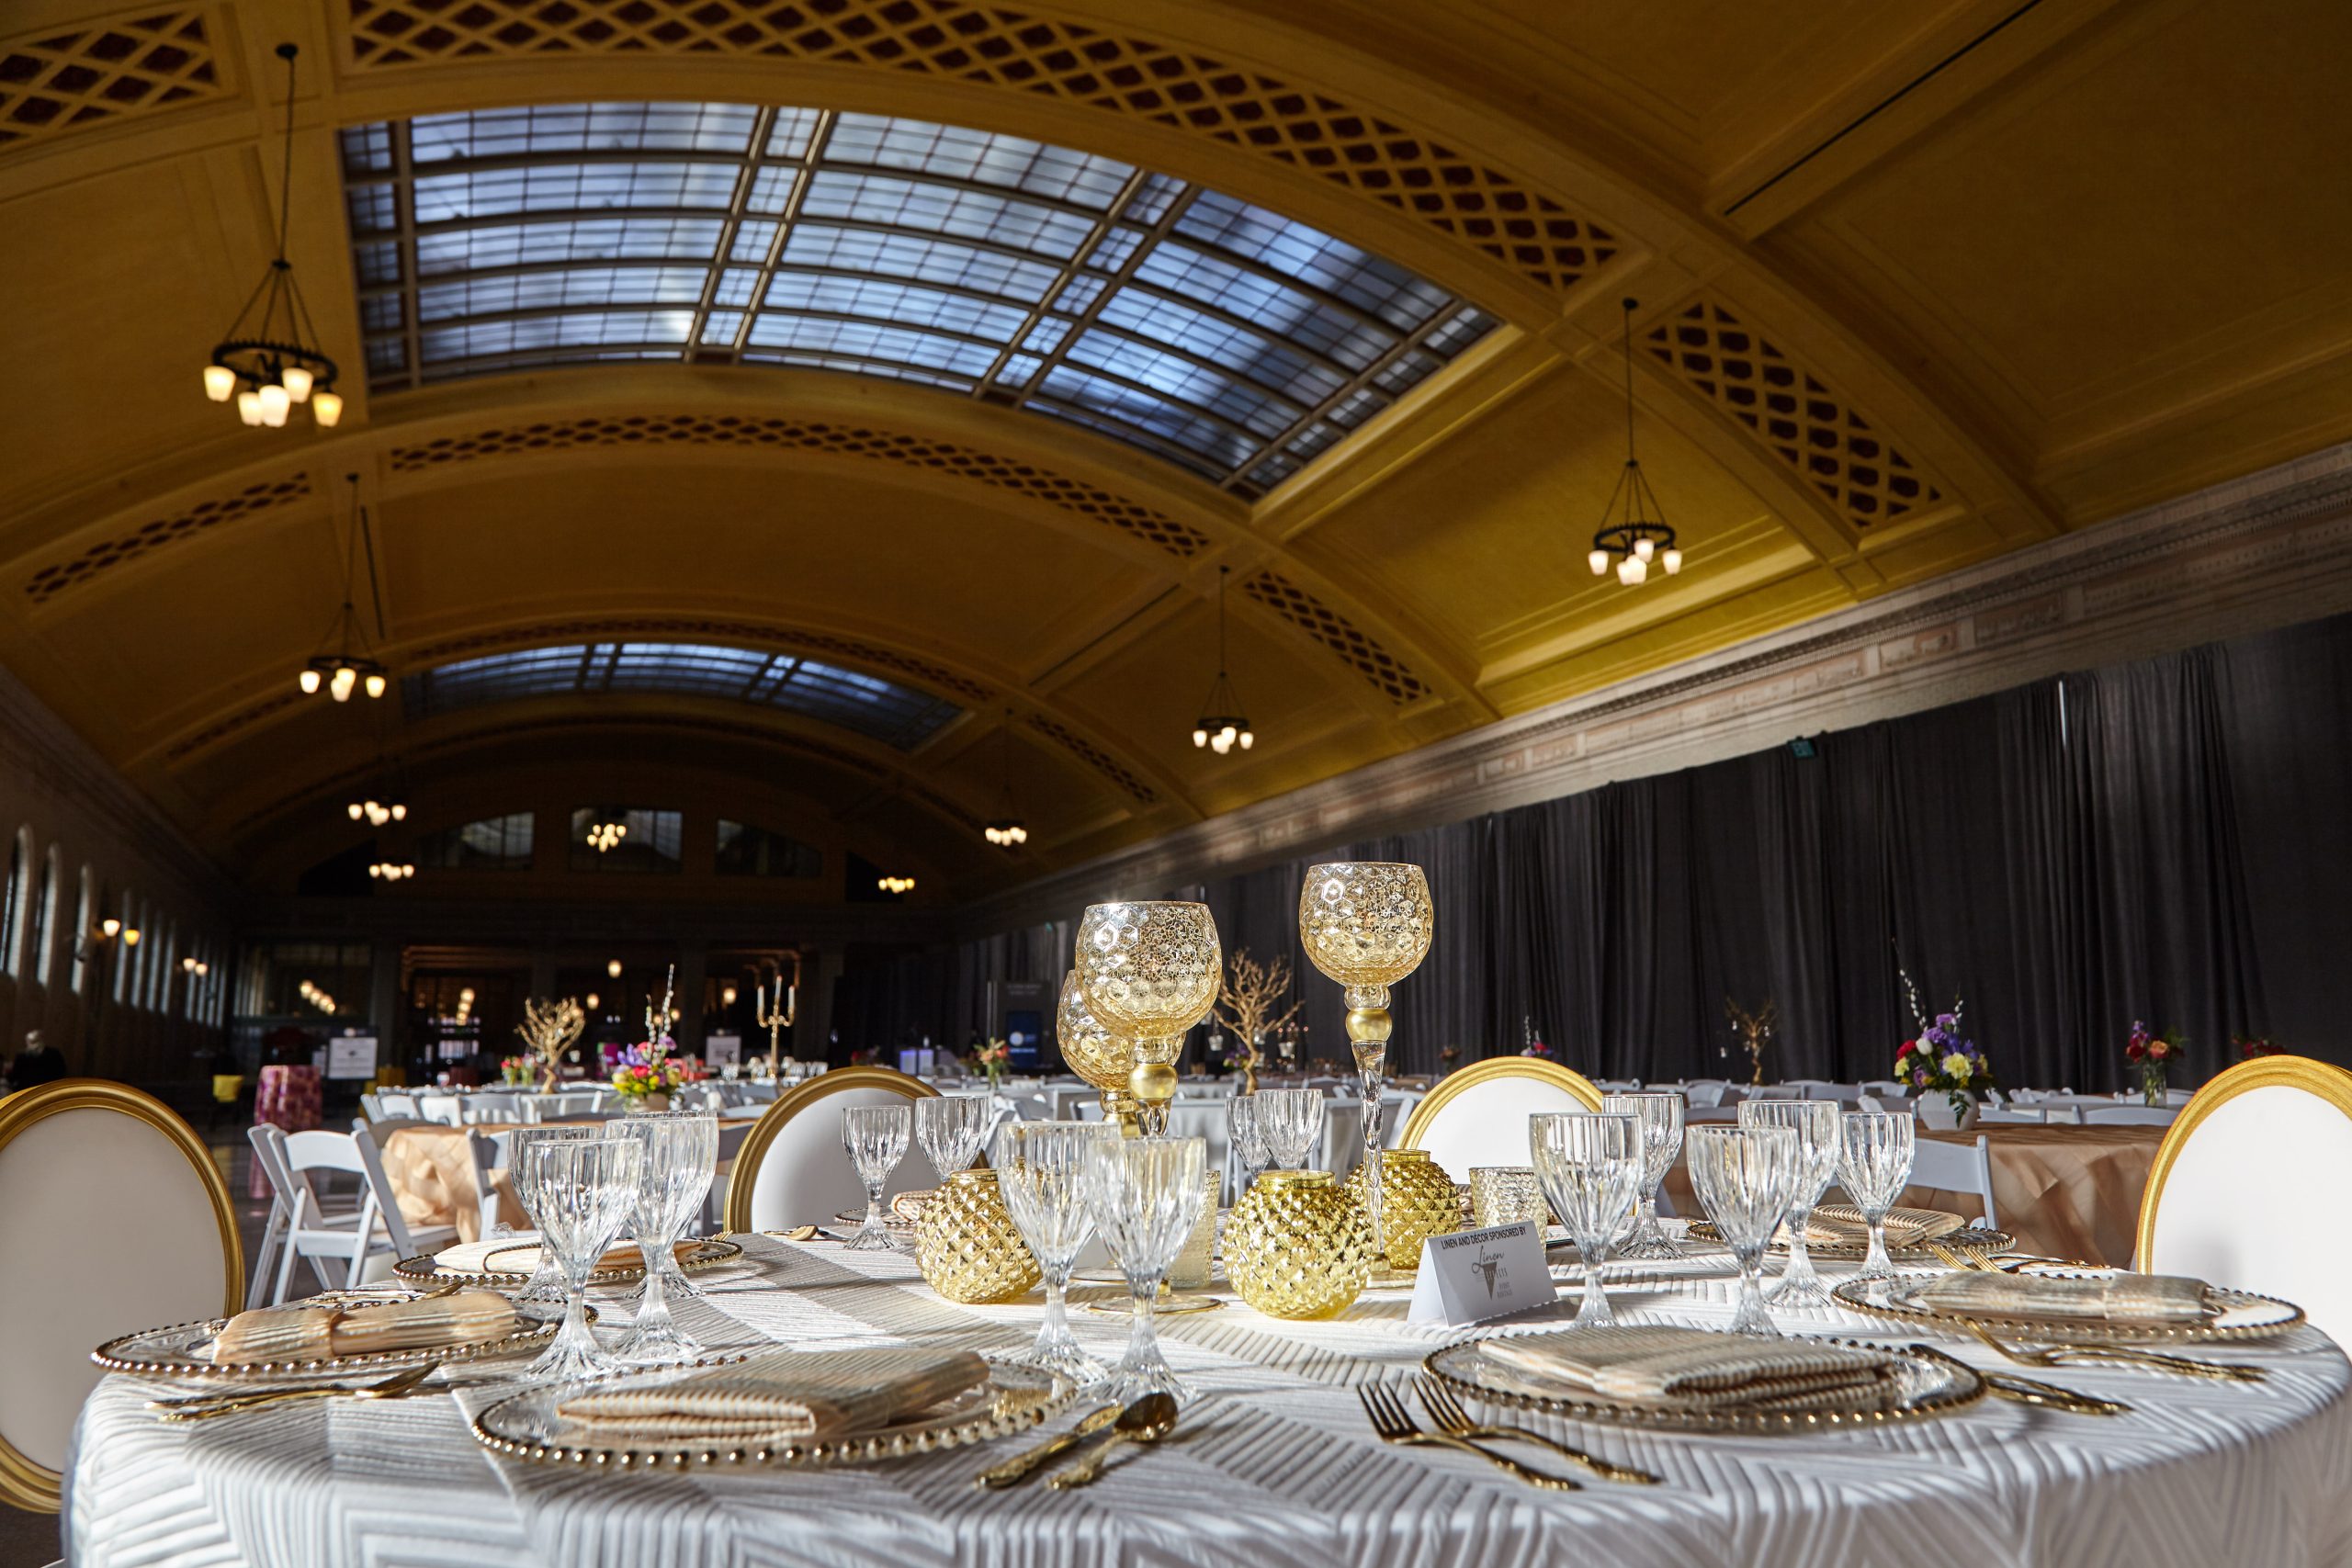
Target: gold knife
<point>1021,1465</point>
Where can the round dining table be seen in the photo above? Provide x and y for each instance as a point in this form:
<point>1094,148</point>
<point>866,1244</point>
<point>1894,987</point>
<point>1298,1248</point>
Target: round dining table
<point>1273,1464</point>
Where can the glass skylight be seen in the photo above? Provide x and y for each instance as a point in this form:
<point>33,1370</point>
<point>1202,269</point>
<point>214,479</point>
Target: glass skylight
<point>883,710</point>
<point>1212,333</point>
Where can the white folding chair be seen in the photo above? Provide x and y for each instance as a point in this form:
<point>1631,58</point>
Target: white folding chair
<point>792,1168</point>
<point>1882,1087</point>
<point>2131,1115</point>
<point>492,1152</point>
<point>370,1106</point>
<point>1957,1168</point>
<point>494,1105</point>
<point>1704,1092</point>
<point>2232,1196</point>
<point>1992,1116</point>
<point>445,1108</point>
<point>1478,1115</point>
<point>81,1158</point>
<point>350,1237</point>
<point>394,1105</point>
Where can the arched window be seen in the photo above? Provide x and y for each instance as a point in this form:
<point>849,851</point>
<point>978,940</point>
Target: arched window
<point>84,919</point>
<point>13,899</point>
<point>43,919</point>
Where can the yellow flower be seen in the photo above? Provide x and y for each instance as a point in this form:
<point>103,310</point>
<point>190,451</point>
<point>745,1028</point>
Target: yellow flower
<point>1956,1068</point>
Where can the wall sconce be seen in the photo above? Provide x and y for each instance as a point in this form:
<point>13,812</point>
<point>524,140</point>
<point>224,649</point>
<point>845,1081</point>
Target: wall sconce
<point>109,928</point>
<point>727,994</point>
<point>612,968</point>
<point>131,936</point>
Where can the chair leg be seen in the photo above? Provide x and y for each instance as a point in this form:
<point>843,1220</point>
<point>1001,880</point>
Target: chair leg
<point>272,1237</point>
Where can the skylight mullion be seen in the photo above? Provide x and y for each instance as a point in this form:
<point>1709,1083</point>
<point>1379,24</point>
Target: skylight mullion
<point>810,157</point>
<point>531,217</point>
<point>1240,378</point>
<point>746,178</point>
<point>1356,383</point>
<point>1160,231</point>
<point>404,216</point>
<point>1069,270</point>
<point>1242,324</point>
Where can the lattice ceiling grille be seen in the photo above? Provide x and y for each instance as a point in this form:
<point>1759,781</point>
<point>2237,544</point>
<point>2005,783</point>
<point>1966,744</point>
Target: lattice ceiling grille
<point>1789,408</point>
<point>1470,203</point>
<point>1394,678</point>
<point>53,83</point>
<point>1143,524</point>
<point>1216,335</point>
<point>124,549</point>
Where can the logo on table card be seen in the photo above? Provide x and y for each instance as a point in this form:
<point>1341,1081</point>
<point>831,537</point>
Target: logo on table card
<point>1506,1262</point>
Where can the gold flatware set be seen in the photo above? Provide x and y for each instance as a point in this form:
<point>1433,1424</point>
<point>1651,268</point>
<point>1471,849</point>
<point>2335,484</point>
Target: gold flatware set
<point>2078,1354</point>
<point>1148,1420</point>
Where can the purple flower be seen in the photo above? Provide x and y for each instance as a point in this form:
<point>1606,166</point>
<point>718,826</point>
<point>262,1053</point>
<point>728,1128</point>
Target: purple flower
<point>1919,1079</point>
<point>1947,1020</point>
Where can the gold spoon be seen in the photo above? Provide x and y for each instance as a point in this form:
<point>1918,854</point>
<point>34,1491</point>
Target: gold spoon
<point>1148,1420</point>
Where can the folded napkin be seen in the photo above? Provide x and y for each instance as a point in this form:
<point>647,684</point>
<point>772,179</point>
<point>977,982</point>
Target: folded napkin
<point>2124,1298</point>
<point>1694,1369</point>
<point>791,1394</point>
<point>291,1334</point>
<point>908,1206</point>
<point>508,1256</point>
<point>1837,1224</point>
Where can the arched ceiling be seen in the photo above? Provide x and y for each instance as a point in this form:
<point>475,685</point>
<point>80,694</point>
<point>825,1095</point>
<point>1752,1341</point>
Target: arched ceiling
<point>1917,285</point>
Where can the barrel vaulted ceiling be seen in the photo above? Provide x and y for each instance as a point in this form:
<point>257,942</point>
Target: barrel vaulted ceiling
<point>1918,285</point>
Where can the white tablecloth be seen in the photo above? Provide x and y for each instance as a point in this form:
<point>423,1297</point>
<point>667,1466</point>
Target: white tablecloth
<point>1273,1465</point>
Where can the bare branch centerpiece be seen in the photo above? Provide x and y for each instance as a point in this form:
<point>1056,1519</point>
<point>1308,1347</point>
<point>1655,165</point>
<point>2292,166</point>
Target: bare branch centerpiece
<point>1754,1033</point>
<point>549,1027</point>
<point>1250,1003</point>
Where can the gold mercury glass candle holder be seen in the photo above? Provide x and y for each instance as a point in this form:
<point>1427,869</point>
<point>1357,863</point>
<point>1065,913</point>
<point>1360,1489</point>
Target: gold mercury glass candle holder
<point>1506,1194</point>
<point>1149,972</point>
<point>1367,924</point>
<point>1096,1055</point>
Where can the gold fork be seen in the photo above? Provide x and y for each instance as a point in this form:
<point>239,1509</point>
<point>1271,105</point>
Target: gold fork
<point>2030,1390</point>
<point>1392,1423</point>
<point>1446,1410</point>
<point>398,1386</point>
<point>2115,1355</point>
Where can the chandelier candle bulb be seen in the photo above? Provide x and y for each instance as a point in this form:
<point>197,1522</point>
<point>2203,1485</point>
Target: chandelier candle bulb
<point>297,381</point>
<point>249,407</point>
<point>376,685</point>
<point>274,404</point>
<point>219,383</point>
<point>327,408</point>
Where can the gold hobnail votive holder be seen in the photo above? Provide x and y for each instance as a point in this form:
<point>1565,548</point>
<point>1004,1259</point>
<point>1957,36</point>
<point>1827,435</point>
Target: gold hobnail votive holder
<point>1298,1245</point>
<point>967,1246</point>
<point>1417,1201</point>
<point>1506,1194</point>
<point>1190,1269</point>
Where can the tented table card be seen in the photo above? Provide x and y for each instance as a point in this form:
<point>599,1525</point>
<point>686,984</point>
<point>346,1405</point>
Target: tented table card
<point>1472,1276</point>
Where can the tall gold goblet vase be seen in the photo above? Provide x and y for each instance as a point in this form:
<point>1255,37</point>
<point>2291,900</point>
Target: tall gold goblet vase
<point>1149,972</point>
<point>1367,925</point>
<point>1096,1055</point>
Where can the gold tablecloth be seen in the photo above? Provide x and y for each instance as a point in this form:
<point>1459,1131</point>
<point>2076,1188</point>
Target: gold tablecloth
<point>432,1173</point>
<point>2063,1192</point>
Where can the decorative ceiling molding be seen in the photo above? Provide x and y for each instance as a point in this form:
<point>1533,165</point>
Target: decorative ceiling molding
<point>1788,407</point>
<point>1389,674</point>
<point>1468,202</point>
<point>74,571</point>
<point>1095,757</point>
<point>1138,522</point>
<point>54,83</point>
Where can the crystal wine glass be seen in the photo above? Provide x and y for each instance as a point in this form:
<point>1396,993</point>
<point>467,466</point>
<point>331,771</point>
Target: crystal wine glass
<point>1744,1178</point>
<point>1290,1120</point>
<point>1146,1196</point>
<point>1150,972</point>
<point>1367,924</point>
<point>1041,1167</point>
<point>950,1128</point>
<point>876,1138</point>
<point>586,1187</point>
<point>1590,1164</point>
<point>1874,1166</point>
<point>1815,1121</point>
<point>1660,1115</point>
<point>681,1153</point>
<point>1248,1134</point>
<point>542,1296</point>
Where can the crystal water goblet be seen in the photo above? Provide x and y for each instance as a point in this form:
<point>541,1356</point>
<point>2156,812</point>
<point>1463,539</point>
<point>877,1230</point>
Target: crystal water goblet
<point>1659,1114</point>
<point>1874,1166</point>
<point>1248,1136</point>
<point>950,1128</point>
<point>1744,1178</point>
<point>876,1137</point>
<point>1590,1164</point>
<point>1041,1168</point>
<point>542,1296</point>
<point>680,1153</point>
<point>1815,1123</point>
<point>1145,1195</point>
<point>586,1187</point>
<point>1290,1120</point>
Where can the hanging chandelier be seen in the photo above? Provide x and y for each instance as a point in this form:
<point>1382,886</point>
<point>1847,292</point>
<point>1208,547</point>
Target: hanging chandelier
<point>376,812</point>
<point>266,362</point>
<point>351,664</point>
<point>605,836</point>
<point>1006,831</point>
<point>1222,725</point>
<point>896,884</point>
<point>385,801</point>
<point>391,871</point>
<point>1633,525</point>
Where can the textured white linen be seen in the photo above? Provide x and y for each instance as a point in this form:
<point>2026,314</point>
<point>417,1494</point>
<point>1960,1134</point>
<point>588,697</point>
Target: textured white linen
<point>1273,1466</point>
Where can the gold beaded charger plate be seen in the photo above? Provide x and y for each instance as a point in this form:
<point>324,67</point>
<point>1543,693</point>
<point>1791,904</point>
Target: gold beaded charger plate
<point>184,1350</point>
<point>528,1425</point>
<point>1924,1387</point>
<point>1968,1238</point>
<point>430,1270</point>
<point>2230,1316</point>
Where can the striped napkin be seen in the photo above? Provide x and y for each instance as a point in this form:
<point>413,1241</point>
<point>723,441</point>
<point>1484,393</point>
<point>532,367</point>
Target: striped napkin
<point>2121,1297</point>
<point>520,1255</point>
<point>1840,1225</point>
<point>1697,1368</point>
<point>292,1333</point>
<point>788,1394</point>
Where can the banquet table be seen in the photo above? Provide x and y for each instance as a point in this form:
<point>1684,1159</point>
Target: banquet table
<point>1272,1464</point>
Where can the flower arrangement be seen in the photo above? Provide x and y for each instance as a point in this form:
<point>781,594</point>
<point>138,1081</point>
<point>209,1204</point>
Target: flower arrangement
<point>517,1071</point>
<point>1941,1058</point>
<point>1534,1045</point>
<point>992,1059</point>
<point>645,1068</point>
<point>2151,1055</point>
<point>2249,1047</point>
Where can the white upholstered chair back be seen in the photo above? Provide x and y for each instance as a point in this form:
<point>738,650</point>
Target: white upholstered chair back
<point>793,1170</point>
<point>83,1161</point>
<point>1477,1116</point>
<point>2222,1204</point>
